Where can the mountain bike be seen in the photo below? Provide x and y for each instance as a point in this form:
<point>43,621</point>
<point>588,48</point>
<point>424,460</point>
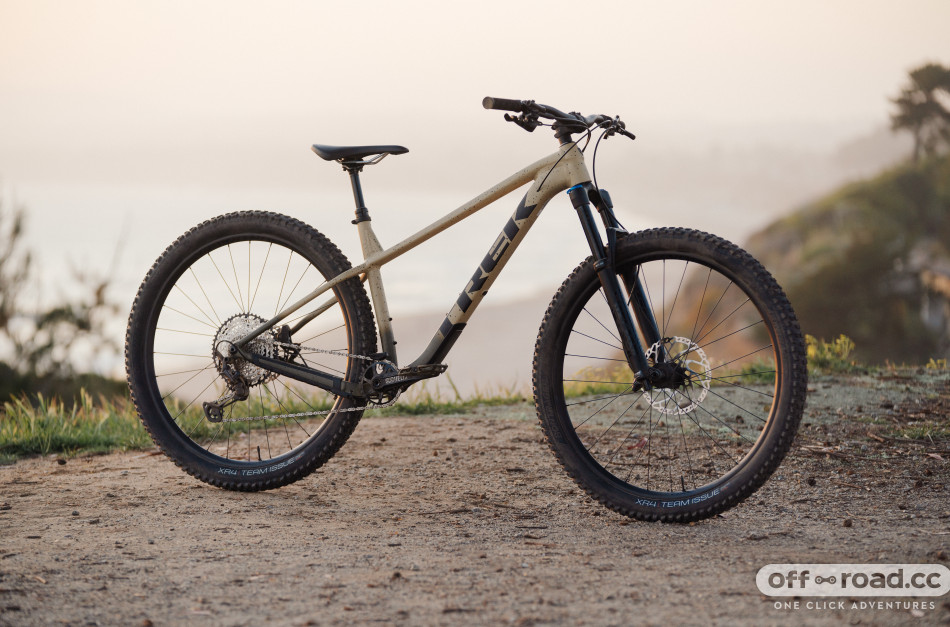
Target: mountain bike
<point>669,372</point>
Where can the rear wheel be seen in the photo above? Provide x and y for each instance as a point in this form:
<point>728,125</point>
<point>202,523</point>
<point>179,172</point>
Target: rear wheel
<point>215,284</point>
<point>729,389</point>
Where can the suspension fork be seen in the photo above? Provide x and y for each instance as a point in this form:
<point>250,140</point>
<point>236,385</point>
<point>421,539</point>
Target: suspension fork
<point>609,280</point>
<point>637,296</point>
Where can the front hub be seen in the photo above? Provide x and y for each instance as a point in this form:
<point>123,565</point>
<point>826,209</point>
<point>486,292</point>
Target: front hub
<point>679,375</point>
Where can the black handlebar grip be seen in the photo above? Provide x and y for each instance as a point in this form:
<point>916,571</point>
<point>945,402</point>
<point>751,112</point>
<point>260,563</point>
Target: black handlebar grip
<point>502,104</point>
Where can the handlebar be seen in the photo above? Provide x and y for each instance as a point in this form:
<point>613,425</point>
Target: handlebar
<point>572,122</point>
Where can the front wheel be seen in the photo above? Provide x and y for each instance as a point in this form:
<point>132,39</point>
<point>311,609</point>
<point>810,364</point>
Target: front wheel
<point>723,413</point>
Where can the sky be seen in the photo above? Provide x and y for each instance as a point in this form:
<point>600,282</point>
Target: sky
<point>122,124</point>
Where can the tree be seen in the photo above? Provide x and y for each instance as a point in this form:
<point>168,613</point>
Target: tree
<point>14,265</point>
<point>42,345</point>
<point>920,110</point>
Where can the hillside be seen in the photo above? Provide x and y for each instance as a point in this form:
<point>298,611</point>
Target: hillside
<point>872,261</point>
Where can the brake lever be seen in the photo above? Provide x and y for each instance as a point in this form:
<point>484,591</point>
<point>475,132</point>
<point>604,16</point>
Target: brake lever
<point>617,126</point>
<point>528,122</point>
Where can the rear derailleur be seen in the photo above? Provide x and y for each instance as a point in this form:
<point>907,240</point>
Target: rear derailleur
<point>239,391</point>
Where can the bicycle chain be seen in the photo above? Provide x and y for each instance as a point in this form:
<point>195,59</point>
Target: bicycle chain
<point>323,412</point>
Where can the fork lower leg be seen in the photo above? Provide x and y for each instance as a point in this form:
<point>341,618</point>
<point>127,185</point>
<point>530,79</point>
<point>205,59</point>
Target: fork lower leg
<point>632,348</point>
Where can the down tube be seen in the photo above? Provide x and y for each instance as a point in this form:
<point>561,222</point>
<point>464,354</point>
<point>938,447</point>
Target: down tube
<point>498,255</point>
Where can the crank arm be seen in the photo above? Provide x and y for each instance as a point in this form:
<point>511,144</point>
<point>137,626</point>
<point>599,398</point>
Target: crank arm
<point>318,378</point>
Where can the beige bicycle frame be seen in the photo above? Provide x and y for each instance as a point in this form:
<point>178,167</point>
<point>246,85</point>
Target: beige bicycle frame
<point>551,175</point>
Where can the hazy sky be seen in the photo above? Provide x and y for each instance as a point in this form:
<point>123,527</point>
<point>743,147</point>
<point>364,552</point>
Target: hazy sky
<point>140,119</point>
<point>79,79</point>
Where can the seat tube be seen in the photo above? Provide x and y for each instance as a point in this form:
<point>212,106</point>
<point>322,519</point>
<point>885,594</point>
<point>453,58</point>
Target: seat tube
<point>632,348</point>
<point>370,245</point>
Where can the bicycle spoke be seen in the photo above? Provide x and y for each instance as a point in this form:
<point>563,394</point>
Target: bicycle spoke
<point>739,407</point>
<point>748,326</point>
<point>596,340</point>
<point>712,311</point>
<point>227,450</point>
<point>594,400</point>
<point>237,281</point>
<point>195,304</point>
<point>192,317</point>
<point>187,382</point>
<point>310,339</point>
<point>663,301</point>
<point>646,289</point>
<point>290,257</point>
<point>764,348</point>
<point>601,323</point>
<point>185,408</point>
<point>186,332</point>
<point>223,280</point>
<point>261,276</point>
<point>616,420</point>
<point>612,399</point>
<point>648,448</point>
<point>170,374</point>
<point>689,462</point>
<point>669,448</point>
<point>677,294</point>
<point>742,387</point>
<point>720,323</point>
<point>605,382</point>
<point>294,392</point>
<point>212,439</point>
<point>296,285</point>
<point>283,410</point>
<point>622,361</point>
<point>205,294</point>
<point>627,436</point>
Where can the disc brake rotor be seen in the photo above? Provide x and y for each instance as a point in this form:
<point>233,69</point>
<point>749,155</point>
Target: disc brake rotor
<point>692,364</point>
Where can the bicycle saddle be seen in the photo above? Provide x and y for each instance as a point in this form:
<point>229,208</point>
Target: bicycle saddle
<point>333,153</point>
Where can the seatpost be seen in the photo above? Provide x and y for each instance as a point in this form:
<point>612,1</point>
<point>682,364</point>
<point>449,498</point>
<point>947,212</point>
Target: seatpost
<point>362,213</point>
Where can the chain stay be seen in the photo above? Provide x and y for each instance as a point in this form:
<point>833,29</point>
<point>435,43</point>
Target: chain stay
<point>324,412</point>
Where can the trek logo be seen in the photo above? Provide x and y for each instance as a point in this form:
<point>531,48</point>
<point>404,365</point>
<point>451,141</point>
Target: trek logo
<point>490,262</point>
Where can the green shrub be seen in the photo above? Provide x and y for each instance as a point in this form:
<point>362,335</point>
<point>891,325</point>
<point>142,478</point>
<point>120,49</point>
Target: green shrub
<point>829,357</point>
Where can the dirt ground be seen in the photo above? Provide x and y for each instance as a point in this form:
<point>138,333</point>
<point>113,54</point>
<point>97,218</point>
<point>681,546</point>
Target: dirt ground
<point>468,519</point>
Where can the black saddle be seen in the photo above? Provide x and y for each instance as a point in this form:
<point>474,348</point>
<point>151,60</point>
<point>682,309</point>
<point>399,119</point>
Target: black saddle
<point>336,153</point>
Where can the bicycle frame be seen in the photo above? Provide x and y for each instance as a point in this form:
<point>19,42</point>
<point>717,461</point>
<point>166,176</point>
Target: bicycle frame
<point>555,173</point>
